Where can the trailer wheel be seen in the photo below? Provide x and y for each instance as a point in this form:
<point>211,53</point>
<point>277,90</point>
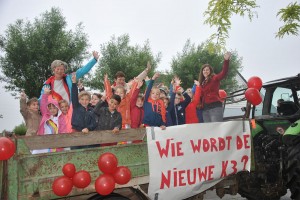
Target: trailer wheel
<point>293,171</point>
<point>112,196</point>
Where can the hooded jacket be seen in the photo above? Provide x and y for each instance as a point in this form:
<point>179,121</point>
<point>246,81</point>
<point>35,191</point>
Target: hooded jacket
<point>154,110</point>
<point>191,110</point>
<point>46,116</point>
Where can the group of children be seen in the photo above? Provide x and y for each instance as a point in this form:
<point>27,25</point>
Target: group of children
<point>123,106</point>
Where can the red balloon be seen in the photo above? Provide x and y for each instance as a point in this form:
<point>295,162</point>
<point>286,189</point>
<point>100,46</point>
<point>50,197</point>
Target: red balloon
<point>122,175</point>
<point>62,186</point>
<point>253,96</point>
<point>108,163</point>
<point>69,170</point>
<point>105,184</point>
<point>7,148</point>
<point>254,82</point>
<point>222,94</point>
<point>81,179</point>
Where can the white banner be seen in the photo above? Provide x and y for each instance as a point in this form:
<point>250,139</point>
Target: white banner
<point>188,159</point>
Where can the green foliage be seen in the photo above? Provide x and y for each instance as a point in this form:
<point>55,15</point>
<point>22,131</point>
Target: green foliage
<point>219,13</point>
<point>188,63</point>
<point>20,129</point>
<point>30,48</point>
<point>291,19</point>
<point>119,55</point>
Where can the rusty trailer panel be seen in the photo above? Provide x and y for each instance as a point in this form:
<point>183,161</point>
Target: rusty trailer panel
<point>31,176</point>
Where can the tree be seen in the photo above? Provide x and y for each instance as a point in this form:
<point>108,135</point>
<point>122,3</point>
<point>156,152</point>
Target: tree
<point>219,12</point>
<point>187,65</point>
<point>119,55</point>
<point>30,47</point>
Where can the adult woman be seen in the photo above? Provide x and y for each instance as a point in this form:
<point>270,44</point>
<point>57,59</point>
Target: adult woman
<point>210,85</point>
<point>61,83</point>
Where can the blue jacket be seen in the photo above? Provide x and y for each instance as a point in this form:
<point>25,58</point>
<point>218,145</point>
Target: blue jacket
<point>79,73</point>
<point>82,117</point>
<point>152,115</point>
<point>178,111</point>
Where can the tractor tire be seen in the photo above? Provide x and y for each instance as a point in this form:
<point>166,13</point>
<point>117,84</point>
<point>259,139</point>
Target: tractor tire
<point>250,188</point>
<point>293,171</point>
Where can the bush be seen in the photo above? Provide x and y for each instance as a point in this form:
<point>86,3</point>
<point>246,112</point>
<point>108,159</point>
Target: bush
<point>20,129</point>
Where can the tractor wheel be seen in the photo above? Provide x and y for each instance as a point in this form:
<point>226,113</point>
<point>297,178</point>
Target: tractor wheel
<point>293,171</point>
<point>250,188</point>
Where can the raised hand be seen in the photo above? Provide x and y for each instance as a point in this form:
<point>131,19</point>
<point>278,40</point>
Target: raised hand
<point>105,77</point>
<point>23,95</point>
<point>177,80</point>
<point>227,55</point>
<point>196,82</point>
<point>96,55</point>
<point>73,77</point>
<point>155,76</point>
<point>139,85</point>
<point>148,66</point>
<point>47,89</point>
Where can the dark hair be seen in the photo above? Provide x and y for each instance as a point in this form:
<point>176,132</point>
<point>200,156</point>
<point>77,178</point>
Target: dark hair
<point>116,97</point>
<point>119,74</point>
<point>201,77</point>
<point>98,95</point>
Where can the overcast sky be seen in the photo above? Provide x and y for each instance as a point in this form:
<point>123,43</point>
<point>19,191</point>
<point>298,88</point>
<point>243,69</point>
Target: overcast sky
<point>167,24</point>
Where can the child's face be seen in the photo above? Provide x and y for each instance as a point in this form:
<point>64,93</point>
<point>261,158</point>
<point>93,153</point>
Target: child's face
<point>34,106</point>
<point>139,102</point>
<point>177,99</point>
<point>112,105</point>
<point>94,100</point>
<point>84,100</point>
<point>166,102</point>
<point>155,93</point>
<point>120,92</point>
<point>64,107</point>
<point>162,95</point>
<point>120,81</point>
<point>52,109</point>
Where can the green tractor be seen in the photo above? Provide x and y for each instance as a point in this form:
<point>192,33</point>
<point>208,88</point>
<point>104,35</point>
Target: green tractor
<point>275,140</point>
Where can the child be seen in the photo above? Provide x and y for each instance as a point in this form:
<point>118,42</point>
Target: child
<point>191,109</point>
<point>124,107</point>
<point>83,119</point>
<point>67,112</point>
<point>136,107</point>
<point>30,113</point>
<point>154,108</point>
<point>53,122</point>
<point>178,113</point>
<point>108,117</point>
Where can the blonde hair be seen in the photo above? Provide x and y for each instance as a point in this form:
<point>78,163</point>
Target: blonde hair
<point>63,101</point>
<point>84,93</point>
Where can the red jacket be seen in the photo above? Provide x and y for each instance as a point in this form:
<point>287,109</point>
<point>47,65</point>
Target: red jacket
<point>136,113</point>
<point>190,111</point>
<point>210,91</point>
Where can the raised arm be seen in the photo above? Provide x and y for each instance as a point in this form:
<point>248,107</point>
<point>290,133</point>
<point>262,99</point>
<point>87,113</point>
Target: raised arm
<point>85,69</point>
<point>107,87</point>
<point>75,101</point>
<point>23,106</point>
<point>225,67</point>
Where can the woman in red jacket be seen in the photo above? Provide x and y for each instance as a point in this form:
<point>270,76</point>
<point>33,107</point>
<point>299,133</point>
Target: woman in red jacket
<point>210,85</point>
